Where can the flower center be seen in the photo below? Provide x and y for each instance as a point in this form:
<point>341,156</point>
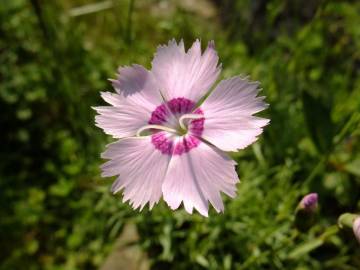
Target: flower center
<point>177,126</point>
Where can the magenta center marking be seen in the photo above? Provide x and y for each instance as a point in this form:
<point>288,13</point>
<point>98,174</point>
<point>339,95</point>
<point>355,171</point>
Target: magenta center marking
<point>168,114</point>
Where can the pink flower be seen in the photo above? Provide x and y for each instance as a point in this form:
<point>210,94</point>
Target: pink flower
<point>356,228</point>
<point>169,145</point>
<point>309,202</point>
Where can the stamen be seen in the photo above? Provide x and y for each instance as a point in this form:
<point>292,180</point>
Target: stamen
<point>138,133</point>
<point>188,116</point>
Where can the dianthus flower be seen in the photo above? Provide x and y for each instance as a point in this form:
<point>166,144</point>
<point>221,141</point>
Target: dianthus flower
<point>174,131</point>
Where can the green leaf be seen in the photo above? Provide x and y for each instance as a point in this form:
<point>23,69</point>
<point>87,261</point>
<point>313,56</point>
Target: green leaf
<point>305,248</point>
<point>353,167</point>
<point>318,121</point>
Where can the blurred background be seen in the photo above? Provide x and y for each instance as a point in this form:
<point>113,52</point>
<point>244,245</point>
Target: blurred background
<point>57,213</point>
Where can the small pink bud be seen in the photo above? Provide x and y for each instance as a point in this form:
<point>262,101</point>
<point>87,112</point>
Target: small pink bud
<point>309,202</point>
<point>356,228</point>
<point>305,212</point>
<point>211,44</point>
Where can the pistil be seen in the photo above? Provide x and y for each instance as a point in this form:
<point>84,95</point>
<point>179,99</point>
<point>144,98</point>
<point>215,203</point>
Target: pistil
<point>188,116</point>
<point>138,133</point>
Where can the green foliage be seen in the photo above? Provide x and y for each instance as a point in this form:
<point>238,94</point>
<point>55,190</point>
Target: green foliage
<point>58,214</point>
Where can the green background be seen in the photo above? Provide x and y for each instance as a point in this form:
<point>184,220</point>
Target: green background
<point>57,213</point>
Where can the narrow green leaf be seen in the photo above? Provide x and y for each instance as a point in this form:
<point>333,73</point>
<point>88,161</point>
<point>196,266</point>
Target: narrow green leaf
<point>318,121</point>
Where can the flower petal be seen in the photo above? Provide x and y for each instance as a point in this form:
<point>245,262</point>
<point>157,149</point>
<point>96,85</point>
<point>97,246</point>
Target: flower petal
<point>124,118</point>
<point>138,84</point>
<point>137,96</point>
<point>197,177</point>
<point>185,74</point>
<point>356,228</point>
<point>141,169</point>
<point>229,121</point>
